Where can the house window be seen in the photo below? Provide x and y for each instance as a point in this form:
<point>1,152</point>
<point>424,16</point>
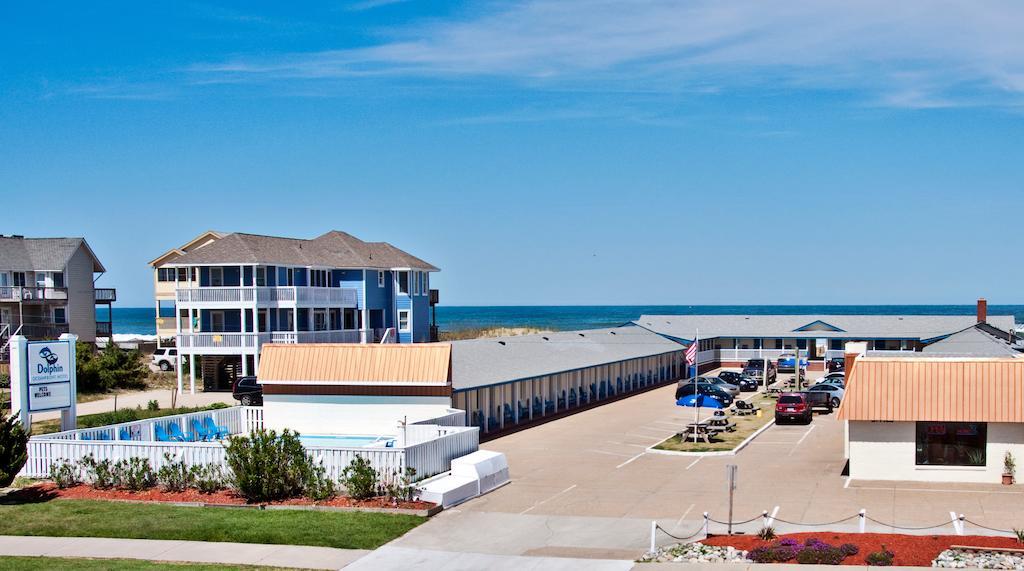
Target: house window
<point>217,321</point>
<point>419,283</point>
<point>261,276</point>
<point>216,277</point>
<point>426,283</point>
<point>183,274</point>
<point>403,282</point>
<point>951,443</point>
<point>380,279</point>
<point>415,283</point>
<point>318,278</point>
<point>58,279</point>
<point>403,319</point>
<point>166,274</point>
<point>60,315</point>
<point>5,279</point>
<point>19,279</point>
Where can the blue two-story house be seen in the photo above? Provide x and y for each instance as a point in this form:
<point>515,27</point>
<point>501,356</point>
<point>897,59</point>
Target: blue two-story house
<point>222,296</point>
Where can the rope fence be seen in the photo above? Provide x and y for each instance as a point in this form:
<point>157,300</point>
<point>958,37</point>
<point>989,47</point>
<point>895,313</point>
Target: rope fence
<point>958,522</point>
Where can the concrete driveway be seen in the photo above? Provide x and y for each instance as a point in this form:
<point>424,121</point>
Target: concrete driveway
<point>583,486</point>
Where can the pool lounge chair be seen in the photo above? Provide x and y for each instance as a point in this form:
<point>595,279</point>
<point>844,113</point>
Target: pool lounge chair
<point>175,431</point>
<point>124,434</point>
<point>161,434</point>
<point>217,430</point>
<point>200,431</point>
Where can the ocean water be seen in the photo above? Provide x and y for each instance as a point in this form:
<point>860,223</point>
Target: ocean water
<point>140,320</point>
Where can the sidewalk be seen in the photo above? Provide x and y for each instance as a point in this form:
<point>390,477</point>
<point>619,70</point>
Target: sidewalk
<point>181,551</point>
<point>142,398</point>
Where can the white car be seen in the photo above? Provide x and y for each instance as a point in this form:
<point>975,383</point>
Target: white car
<point>165,358</point>
<point>832,379</point>
<point>835,392</point>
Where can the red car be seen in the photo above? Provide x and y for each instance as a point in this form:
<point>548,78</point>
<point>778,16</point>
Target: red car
<point>793,406</point>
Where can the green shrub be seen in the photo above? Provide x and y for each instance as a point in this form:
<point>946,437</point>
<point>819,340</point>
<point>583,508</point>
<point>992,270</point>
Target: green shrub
<point>398,487</point>
<point>319,486</point>
<point>99,474</point>
<point>111,368</point>
<point>766,533</point>
<point>360,479</point>
<point>208,478</point>
<point>65,473</point>
<point>133,474</point>
<point>153,405</point>
<point>266,466</point>
<point>13,448</point>
<point>881,558</point>
<point>174,475</point>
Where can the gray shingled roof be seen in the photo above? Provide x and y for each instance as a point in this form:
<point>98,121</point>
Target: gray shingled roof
<point>481,362</point>
<point>853,326</point>
<point>41,254</point>
<point>971,342</point>
<point>332,250</point>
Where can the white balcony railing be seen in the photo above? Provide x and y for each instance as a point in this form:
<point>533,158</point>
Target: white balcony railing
<point>348,336</point>
<point>288,295</point>
<point>33,293</point>
<point>219,342</point>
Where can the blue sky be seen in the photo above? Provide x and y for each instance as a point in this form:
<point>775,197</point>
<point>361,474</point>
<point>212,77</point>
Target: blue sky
<point>538,152</point>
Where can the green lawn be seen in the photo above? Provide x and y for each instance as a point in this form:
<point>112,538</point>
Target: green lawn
<point>76,564</point>
<point>90,518</point>
<point>745,426</point>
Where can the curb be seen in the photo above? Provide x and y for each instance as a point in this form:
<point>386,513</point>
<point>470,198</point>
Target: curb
<point>429,512</point>
<point>740,446</point>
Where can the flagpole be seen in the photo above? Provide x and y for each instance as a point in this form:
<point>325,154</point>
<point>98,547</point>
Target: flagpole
<point>696,397</point>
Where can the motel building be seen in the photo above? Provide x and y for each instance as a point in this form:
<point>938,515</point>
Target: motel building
<point>935,417</point>
<point>729,340</point>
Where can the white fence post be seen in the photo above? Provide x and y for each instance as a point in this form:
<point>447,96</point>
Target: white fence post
<point>862,519</point>
<point>654,528</point>
<point>706,524</point>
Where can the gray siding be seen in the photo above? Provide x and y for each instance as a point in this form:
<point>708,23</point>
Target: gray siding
<point>81,296</point>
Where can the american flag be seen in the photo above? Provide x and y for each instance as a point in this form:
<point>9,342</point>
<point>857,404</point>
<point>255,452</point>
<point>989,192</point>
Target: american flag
<point>691,353</point>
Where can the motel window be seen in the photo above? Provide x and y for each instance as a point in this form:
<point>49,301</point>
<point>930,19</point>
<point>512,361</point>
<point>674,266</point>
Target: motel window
<point>403,320</point>
<point>951,443</point>
<point>261,276</point>
<point>380,279</point>
<point>403,282</point>
<point>60,315</point>
<point>216,277</point>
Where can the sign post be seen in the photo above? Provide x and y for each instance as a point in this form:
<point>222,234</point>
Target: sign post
<point>44,379</point>
<point>730,470</point>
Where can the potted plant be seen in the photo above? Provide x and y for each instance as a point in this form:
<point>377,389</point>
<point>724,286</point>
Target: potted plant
<point>1009,468</point>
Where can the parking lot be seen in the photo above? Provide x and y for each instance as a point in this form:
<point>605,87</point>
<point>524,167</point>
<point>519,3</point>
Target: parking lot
<point>584,486</point>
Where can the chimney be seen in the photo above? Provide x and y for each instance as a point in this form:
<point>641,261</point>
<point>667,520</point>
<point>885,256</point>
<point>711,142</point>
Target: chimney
<point>982,310</point>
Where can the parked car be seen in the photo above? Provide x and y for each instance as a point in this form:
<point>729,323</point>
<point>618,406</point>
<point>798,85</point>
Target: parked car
<point>787,363</point>
<point>838,379</point>
<point>746,384</point>
<point>165,358</point>
<point>835,393</point>
<point>704,388</point>
<point>755,369</point>
<point>733,390</point>
<point>837,364</point>
<point>793,406</point>
<point>247,391</point>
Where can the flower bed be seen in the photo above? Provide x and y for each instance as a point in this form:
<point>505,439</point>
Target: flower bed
<point>908,550</point>
<point>222,497</point>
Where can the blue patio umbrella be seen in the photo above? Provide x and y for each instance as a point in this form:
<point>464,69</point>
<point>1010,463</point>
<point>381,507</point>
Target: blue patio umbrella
<point>700,401</point>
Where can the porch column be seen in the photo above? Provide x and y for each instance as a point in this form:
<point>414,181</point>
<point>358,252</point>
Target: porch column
<point>256,361</point>
<point>364,336</point>
<point>191,372</point>
<point>515,397</point>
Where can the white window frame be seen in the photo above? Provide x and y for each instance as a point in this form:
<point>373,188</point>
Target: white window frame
<point>53,314</point>
<point>5,279</point>
<point>256,276</point>
<point>220,272</point>
<point>380,279</point>
<point>398,283</point>
<point>426,283</point>
<point>408,320</point>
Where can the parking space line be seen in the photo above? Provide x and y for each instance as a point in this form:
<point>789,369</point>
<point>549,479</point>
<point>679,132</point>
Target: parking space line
<point>569,489</point>
<point>694,463</point>
<point>608,453</point>
<point>799,442</point>
<point>682,517</point>
<point>630,460</point>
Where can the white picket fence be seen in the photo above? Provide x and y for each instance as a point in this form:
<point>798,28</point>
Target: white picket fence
<point>428,448</point>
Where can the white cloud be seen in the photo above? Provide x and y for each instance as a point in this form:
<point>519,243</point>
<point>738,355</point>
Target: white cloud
<point>915,53</point>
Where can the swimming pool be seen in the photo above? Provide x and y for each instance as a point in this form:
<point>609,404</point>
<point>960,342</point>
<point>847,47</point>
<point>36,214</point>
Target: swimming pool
<point>342,441</point>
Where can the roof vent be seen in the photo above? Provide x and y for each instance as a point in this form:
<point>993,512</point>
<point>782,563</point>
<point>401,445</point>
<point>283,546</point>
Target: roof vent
<point>501,343</point>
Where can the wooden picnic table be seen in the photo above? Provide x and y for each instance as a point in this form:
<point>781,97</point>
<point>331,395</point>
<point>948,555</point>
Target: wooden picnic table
<point>703,430</point>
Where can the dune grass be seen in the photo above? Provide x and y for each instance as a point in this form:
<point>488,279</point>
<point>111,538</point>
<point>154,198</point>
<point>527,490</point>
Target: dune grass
<point>90,518</point>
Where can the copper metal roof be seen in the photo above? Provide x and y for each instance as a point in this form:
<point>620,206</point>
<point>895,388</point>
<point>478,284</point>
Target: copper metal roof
<point>935,389</point>
<point>339,363</point>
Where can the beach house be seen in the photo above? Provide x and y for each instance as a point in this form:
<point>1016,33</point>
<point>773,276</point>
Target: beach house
<point>233,292</point>
<point>48,287</point>
<point>729,340</point>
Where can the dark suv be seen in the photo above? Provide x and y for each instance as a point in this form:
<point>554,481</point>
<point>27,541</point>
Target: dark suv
<point>247,391</point>
<point>755,369</point>
<point>793,406</point>
<point>746,384</point>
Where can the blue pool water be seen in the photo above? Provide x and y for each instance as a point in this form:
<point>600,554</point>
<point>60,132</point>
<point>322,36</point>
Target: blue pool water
<point>338,441</point>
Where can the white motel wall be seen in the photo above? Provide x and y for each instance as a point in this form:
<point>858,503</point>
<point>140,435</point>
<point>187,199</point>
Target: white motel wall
<point>880,450</point>
<point>350,414</point>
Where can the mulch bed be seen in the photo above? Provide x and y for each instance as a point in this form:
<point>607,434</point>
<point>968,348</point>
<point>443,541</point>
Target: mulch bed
<point>909,550</point>
<point>224,497</point>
